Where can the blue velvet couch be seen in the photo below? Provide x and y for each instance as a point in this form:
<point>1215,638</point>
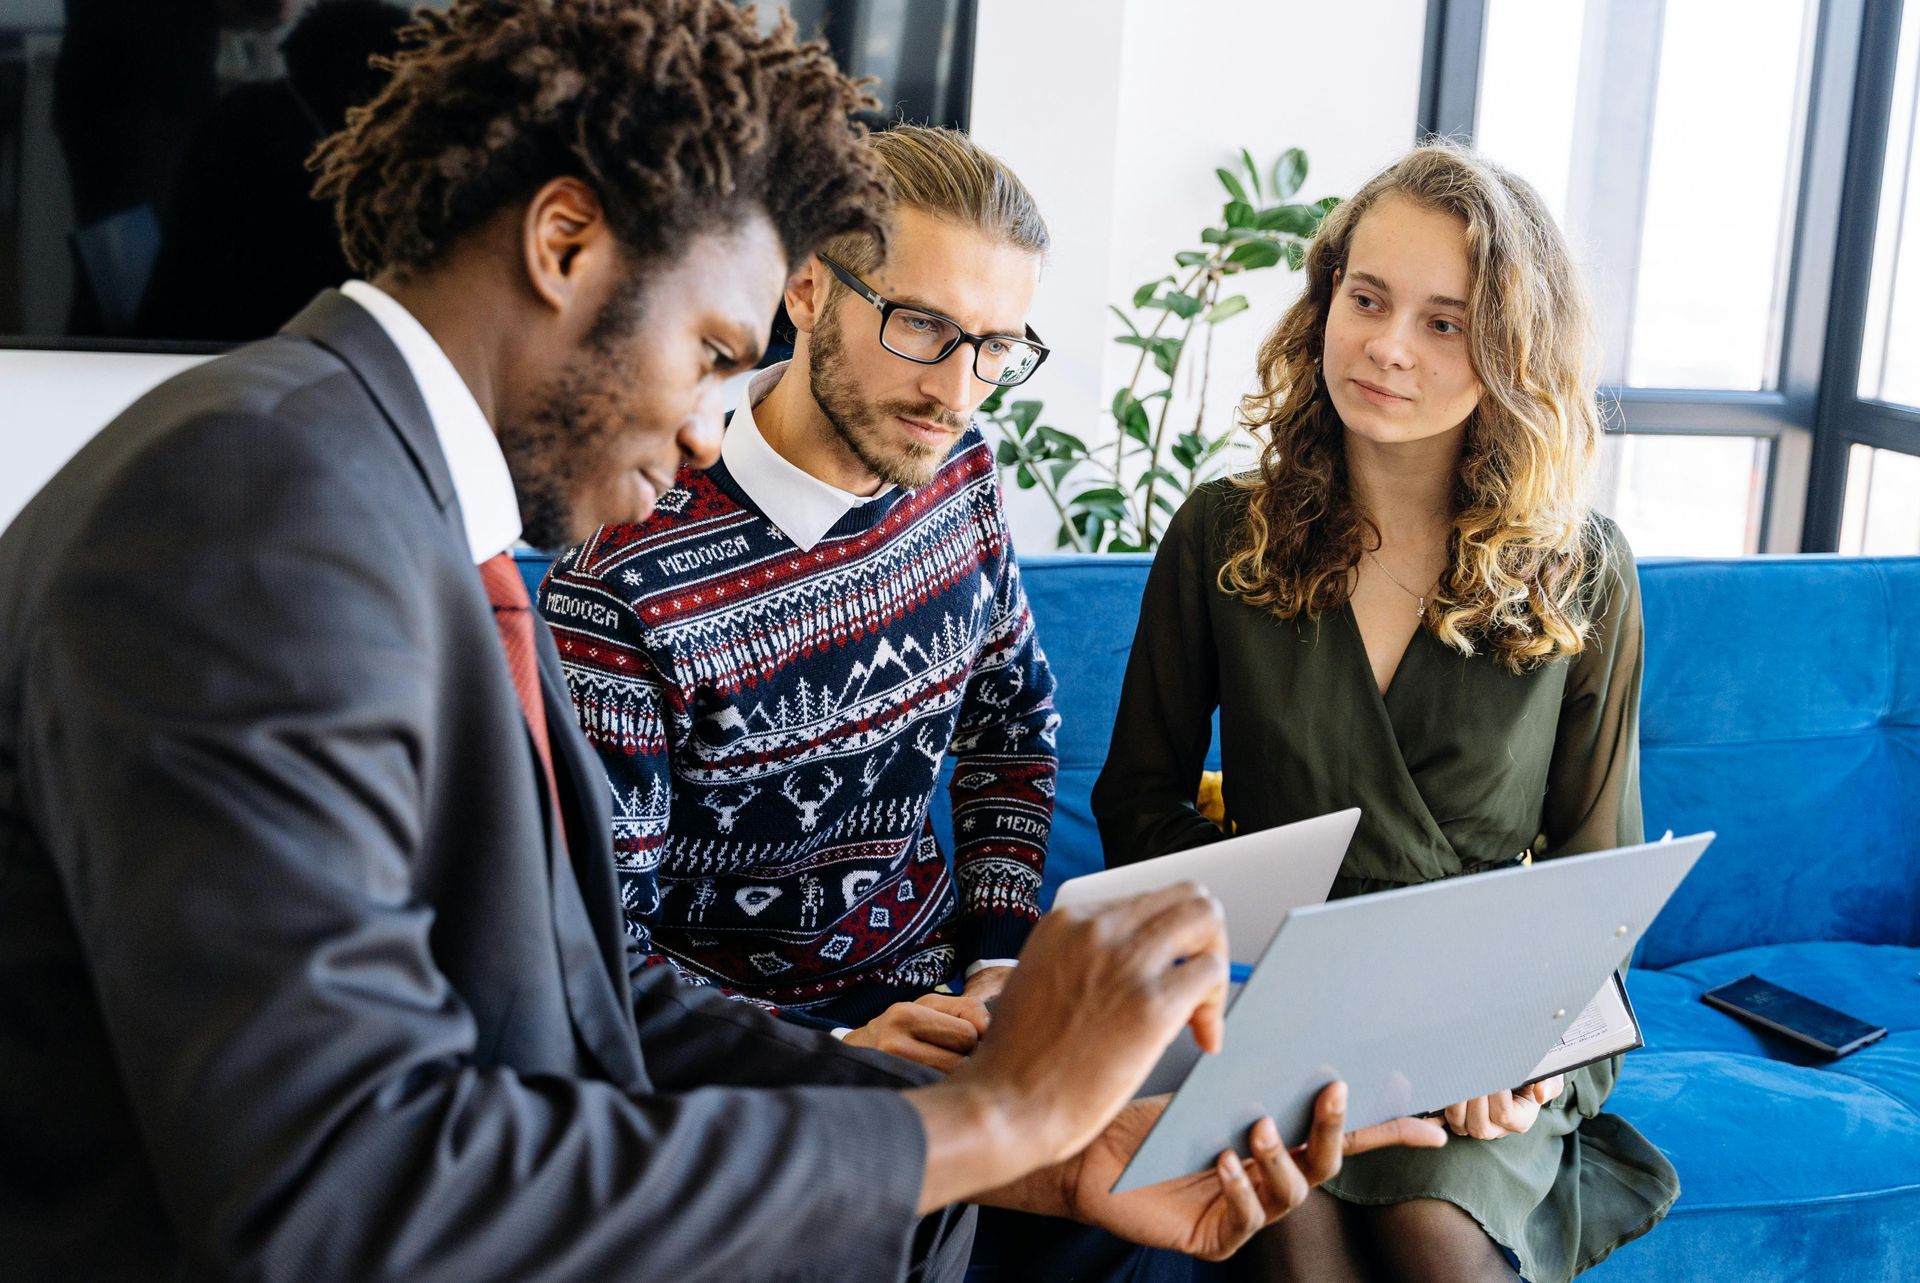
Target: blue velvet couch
<point>1781,708</point>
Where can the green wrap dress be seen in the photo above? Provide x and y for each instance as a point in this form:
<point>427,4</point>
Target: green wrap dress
<point>1461,766</point>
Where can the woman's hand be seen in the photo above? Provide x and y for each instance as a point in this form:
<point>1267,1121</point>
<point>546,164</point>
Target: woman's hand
<point>1506,1113</point>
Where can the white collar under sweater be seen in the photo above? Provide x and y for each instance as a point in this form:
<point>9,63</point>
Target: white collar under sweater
<point>801,504</point>
<point>480,478</point>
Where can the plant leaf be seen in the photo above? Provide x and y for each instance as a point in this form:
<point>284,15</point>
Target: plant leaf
<point>1253,171</point>
<point>1289,172</point>
<point>1124,320</point>
<point>1256,254</point>
<point>1226,307</point>
<point>1092,529</point>
<point>1007,454</point>
<point>992,404</point>
<point>1024,478</point>
<point>1191,257</point>
<point>1295,220</point>
<point>1065,442</point>
<point>1217,236</point>
<point>1326,205</point>
<point>1155,474</point>
<point>1145,292</point>
<point>1184,306</point>
<point>1296,254</point>
<point>1232,184</point>
<point>1239,214</point>
<point>1024,413</point>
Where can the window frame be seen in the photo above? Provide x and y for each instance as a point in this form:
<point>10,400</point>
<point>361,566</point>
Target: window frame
<point>1815,414</point>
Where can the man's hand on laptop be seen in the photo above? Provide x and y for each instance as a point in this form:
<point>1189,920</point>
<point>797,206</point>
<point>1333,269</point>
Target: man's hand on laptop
<point>1100,992</point>
<point>938,1030</point>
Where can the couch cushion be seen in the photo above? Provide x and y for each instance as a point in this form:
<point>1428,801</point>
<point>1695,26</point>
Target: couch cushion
<point>1085,611</point>
<point>1878,983</point>
<point>1813,843</point>
<point>1781,708</point>
<point>1839,1143</point>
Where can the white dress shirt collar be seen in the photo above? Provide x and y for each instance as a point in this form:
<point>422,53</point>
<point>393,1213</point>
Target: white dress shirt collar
<point>480,477</point>
<point>802,505</point>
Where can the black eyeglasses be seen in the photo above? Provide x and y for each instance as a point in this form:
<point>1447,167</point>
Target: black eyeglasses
<point>928,337</point>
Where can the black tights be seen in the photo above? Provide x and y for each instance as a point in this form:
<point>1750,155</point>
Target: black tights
<point>1424,1240</point>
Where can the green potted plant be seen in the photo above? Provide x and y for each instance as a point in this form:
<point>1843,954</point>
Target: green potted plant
<point>1118,498</point>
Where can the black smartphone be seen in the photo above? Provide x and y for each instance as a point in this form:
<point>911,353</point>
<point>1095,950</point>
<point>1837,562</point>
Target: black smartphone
<point>1812,1024</point>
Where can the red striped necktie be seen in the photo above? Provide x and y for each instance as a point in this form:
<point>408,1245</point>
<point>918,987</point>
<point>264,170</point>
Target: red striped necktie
<point>513,616</point>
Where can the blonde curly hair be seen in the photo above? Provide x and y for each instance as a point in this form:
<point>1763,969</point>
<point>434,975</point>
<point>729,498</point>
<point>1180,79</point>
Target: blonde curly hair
<point>1524,550</point>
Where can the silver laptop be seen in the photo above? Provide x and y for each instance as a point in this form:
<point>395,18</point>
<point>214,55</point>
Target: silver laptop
<point>1257,877</point>
<point>1418,998</point>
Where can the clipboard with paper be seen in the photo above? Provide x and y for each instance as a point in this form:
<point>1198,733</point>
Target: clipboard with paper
<point>1455,995</point>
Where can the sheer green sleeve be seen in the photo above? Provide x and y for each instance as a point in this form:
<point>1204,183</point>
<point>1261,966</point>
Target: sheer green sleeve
<point>1144,800</point>
<point>1593,783</point>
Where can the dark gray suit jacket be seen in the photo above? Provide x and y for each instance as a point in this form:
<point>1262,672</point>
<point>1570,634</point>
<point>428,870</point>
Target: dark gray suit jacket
<point>291,983</point>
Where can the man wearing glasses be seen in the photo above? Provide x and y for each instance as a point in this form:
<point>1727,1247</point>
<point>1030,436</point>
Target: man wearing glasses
<point>776,664</point>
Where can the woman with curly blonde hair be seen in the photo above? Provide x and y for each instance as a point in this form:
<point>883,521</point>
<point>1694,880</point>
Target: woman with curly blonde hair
<point>1409,607</point>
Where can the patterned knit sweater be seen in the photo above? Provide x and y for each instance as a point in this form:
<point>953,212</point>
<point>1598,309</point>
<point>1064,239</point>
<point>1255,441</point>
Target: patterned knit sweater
<point>773,723</point>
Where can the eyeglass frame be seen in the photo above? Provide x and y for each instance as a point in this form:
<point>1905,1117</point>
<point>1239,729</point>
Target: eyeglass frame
<point>888,307</point>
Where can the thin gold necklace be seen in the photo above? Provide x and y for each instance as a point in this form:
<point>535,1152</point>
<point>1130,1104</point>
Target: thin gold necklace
<point>1420,611</point>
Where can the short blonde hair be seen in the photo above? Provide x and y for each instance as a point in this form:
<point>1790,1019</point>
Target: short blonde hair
<point>945,173</point>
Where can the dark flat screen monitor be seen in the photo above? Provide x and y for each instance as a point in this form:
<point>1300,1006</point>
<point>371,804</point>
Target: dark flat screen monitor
<point>153,189</point>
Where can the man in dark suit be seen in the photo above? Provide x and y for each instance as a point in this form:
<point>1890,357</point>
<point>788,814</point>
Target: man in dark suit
<point>310,955</point>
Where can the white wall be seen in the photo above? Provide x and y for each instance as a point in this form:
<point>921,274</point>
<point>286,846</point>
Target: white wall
<point>51,402</point>
<point>1116,113</point>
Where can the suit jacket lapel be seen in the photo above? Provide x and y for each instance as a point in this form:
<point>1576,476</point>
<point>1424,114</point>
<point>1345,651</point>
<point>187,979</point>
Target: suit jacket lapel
<point>586,912</point>
<point>347,330</point>
<point>586,898</point>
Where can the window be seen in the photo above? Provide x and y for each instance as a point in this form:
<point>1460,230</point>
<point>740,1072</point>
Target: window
<point>1893,298</point>
<point>1882,515</point>
<point>1691,496</point>
<point>1744,195</point>
<point>1603,107</point>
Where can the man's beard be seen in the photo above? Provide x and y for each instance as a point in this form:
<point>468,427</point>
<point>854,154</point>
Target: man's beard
<point>559,445</point>
<point>863,428</point>
<point>565,440</point>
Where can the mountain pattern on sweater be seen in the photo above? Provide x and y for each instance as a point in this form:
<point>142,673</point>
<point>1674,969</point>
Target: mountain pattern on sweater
<point>773,723</point>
